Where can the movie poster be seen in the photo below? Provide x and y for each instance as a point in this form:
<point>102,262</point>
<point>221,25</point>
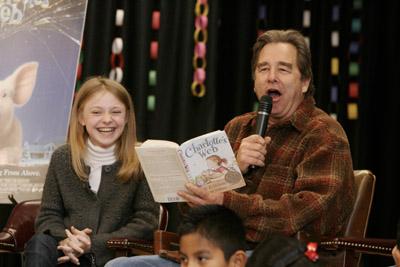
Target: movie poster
<point>40,44</point>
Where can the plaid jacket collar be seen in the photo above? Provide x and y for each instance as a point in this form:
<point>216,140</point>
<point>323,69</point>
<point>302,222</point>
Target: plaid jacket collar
<point>299,119</point>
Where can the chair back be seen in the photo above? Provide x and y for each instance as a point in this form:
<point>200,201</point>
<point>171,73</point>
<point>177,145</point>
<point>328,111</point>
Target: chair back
<point>163,220</point>
<point>364,192</point>
<point>20,226</point>
<point>349,245</point>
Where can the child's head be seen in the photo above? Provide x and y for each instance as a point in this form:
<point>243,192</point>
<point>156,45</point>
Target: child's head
<point>281,251</point>
<point>212,235</point>
<point>215,161</point>
<point>102,112</point>
<point>90,91</point>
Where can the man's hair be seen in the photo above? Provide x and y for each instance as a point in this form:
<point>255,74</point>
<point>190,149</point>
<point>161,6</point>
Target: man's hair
<point>297,40</point>
<point>218,224</point>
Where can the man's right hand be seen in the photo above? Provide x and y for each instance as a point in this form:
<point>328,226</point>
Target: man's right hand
<point>252,151</point>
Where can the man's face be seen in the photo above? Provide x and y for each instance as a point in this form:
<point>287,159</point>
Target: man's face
<point>277,75</point>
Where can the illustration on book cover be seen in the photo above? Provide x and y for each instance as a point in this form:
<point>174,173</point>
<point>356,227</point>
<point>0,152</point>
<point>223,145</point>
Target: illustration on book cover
<point>210,163</point>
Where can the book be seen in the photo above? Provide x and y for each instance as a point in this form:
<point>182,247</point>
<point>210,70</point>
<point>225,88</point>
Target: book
<point>206,161</point>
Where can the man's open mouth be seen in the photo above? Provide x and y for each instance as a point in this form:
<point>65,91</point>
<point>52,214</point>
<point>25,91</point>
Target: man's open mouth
<point>274,93</point>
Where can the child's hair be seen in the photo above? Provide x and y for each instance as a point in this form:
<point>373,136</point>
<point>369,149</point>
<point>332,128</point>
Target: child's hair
<point>218,224</point>
<point>281,251</point>
<point>217,159</point>
<point>78,136</point>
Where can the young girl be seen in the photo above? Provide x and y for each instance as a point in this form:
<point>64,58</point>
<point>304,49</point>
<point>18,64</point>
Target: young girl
<point>94,189</point>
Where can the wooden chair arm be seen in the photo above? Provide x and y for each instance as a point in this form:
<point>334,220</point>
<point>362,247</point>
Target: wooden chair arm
<point>133,246</point>
<point>165,240</point>
<point>366,245</point>
<point>357,244</point>
<point>130,246</point>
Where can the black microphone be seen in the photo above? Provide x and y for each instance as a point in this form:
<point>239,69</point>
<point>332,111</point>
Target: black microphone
<point>264,109</point>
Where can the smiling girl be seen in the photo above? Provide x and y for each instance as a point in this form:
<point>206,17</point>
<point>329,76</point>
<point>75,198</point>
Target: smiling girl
<point>94,189</point>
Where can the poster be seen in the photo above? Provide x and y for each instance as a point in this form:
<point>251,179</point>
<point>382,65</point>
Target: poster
<point>40,43</point>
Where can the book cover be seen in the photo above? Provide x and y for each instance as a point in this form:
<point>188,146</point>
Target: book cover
<point>209,162</point>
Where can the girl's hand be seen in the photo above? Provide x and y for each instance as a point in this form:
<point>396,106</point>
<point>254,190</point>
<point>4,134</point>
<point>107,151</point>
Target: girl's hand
<point>75,245</point>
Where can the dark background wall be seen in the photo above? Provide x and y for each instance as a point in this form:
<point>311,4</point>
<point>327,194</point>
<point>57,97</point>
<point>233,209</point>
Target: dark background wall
<point>232,29</point>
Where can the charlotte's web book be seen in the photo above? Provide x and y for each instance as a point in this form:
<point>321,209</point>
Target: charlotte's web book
<point>207,161</point>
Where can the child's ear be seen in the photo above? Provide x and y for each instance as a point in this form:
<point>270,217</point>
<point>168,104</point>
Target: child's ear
<point>81,120</point>
<point>238,259</point>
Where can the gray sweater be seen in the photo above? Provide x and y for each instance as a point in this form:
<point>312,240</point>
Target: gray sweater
<point>118,210</point>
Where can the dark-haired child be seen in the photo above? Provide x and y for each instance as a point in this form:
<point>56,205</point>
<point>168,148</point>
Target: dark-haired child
<point>212,235</point>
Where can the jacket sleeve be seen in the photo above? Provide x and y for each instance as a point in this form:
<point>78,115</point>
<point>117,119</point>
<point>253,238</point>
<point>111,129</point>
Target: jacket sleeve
<point>51,216</point>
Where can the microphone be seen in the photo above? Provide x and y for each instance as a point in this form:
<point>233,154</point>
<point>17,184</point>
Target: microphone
<point>264,109</point>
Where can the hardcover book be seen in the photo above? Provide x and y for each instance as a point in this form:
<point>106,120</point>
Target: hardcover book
<point>207,161</point>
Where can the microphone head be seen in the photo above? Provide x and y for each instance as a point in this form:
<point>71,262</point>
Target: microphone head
<point>265,104</point>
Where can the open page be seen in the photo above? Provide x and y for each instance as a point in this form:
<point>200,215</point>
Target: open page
<point>163,171</point>
<point>210,163</point>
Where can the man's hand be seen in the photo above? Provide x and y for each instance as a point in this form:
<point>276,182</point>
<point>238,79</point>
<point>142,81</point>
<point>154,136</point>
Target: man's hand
<point>76,244</point>
<point>200,196</point>
<point>252,151</point>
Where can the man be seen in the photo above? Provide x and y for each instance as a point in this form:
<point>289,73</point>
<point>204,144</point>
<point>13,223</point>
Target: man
<point>304,179</point>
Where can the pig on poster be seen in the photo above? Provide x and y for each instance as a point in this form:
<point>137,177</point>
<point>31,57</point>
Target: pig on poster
<point>40,43</point>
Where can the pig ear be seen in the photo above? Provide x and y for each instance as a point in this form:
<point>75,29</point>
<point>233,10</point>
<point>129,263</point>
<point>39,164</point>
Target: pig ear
<point>24,79</point>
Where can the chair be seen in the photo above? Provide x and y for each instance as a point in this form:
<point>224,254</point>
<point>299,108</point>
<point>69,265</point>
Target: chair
<point>347,248</point>
<point>352,244</point>
<point>126,247</point>
<point>20,228</point>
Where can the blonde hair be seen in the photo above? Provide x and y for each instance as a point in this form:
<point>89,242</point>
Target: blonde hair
<point>125,145</point>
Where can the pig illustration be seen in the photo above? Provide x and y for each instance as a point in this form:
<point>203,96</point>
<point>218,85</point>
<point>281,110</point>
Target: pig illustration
<point>16,89</point>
